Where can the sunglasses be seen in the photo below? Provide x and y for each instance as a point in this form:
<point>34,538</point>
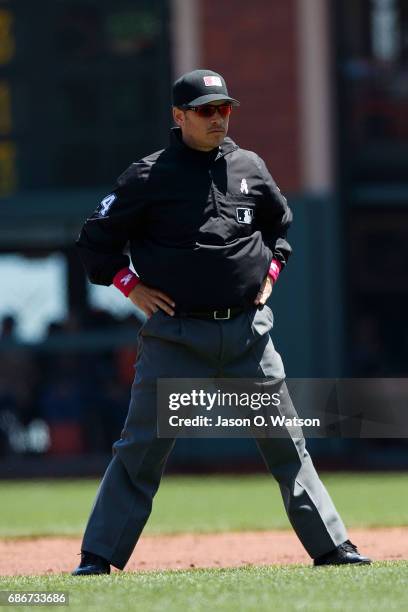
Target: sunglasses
<point>209,110</point>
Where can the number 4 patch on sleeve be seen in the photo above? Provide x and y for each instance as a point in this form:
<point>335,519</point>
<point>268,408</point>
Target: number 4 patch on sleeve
<point>106,204</point>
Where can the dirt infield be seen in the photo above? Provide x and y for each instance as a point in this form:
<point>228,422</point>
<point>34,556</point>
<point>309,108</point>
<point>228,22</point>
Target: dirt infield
<point>54,555</point>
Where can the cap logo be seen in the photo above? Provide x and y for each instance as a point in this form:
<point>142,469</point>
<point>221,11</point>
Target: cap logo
<point>212,81</point>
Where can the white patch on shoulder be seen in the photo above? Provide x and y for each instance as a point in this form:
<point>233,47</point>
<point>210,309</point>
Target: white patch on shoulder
<point>106,204</point>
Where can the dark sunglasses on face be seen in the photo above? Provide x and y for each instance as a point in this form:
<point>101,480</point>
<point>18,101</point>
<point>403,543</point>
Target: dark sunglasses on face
<point>209,110</point>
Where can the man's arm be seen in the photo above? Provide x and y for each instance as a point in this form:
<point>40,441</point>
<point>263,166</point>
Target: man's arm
<point>105,233</point>
<point>274,218</point>
<point>103,238</point>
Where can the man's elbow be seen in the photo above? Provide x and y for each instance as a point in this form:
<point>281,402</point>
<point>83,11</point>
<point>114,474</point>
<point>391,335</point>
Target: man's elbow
<point>95,267</point>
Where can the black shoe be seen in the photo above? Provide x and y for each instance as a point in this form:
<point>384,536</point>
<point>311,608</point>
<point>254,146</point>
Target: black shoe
<point>91,564</point>
<point>343,554</point>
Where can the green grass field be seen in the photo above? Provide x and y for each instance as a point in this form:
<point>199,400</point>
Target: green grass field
<point>209,504</point>
<point>379,588</point>
<point>201,504</point>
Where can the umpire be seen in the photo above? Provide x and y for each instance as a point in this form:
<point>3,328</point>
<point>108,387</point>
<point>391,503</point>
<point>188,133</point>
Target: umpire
<point>206,228</point>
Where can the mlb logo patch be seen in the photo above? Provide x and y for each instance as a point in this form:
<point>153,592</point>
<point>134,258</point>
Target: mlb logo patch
<point>245,215</point>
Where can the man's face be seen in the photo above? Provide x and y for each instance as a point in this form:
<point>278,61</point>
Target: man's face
<point>202,133</point>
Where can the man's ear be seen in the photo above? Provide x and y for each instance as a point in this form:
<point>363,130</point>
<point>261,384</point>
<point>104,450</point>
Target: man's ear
<point>178,116</point>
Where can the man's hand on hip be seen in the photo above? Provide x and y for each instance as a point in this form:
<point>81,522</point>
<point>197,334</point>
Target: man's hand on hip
<point>264,292</point>
<point>150,300</point>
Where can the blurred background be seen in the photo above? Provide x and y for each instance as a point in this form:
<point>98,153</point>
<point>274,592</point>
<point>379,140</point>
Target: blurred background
<point>85,90</point>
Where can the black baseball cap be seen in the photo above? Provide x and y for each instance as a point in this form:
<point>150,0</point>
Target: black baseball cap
<point>200,87</point>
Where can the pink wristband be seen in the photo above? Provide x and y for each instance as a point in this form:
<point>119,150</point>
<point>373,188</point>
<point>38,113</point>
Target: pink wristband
<point>275,269</point>
<point>125,280</point>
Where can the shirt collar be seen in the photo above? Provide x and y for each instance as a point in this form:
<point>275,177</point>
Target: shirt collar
<point>176,141</point>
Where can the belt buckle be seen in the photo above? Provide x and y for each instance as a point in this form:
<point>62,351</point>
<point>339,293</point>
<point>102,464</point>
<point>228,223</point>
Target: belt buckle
<point>222,318</point>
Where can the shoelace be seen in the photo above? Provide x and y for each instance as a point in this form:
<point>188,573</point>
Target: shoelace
<point>349,546</point>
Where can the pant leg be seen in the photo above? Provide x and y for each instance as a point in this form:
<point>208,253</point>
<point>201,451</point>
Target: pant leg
<point>124,498</point>
<point>308,505</point>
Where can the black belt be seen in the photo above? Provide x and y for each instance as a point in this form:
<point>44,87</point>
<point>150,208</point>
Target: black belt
<point>215,315</point>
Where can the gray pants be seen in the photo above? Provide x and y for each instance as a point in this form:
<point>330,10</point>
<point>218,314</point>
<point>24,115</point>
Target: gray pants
<point>193,348</point>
